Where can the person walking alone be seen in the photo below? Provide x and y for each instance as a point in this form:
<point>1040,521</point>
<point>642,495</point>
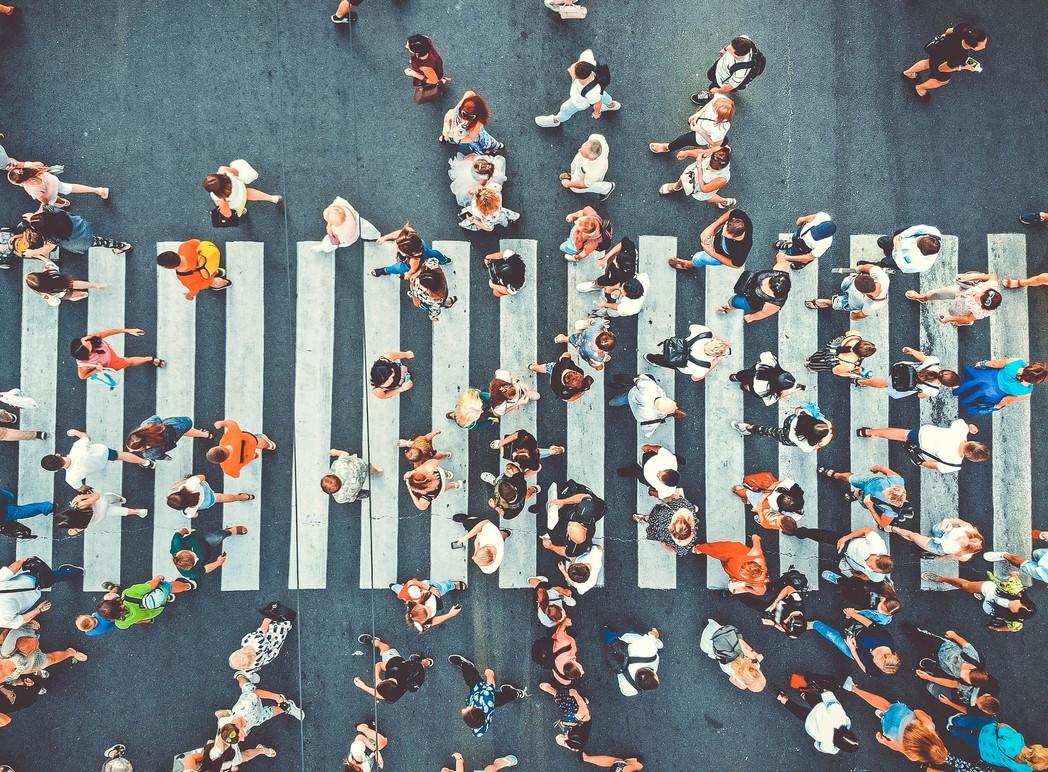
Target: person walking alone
<point>948,53</point>
<point>588,169</point>
<point>589,84</point>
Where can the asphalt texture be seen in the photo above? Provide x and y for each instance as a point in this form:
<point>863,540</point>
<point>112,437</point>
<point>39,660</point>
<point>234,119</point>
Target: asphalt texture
<point>148,98</point>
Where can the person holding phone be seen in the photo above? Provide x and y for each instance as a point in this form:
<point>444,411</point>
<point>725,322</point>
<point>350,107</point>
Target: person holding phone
<point>948,53</point>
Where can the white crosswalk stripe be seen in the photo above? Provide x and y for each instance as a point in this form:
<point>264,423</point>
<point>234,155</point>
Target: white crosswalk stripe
<point>176,339</point>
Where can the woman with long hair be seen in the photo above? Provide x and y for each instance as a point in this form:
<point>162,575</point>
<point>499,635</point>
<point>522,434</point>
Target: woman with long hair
<point>427,481</point>
<point>156,436</point>
<point>89,509</point>
<point>909,732</point>
<point>54,287</point>
<point>993,384</point>
<point>465,126</point>
<point>228,188</point>
<point>509,393</point>
<point>42,185</point>
<point>95,356</point>
<point>485,211</point>
<point>590,232</point>
<point>843,356</point>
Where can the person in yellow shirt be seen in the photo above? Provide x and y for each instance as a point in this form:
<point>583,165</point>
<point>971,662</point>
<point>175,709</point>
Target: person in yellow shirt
<point>196,264</point>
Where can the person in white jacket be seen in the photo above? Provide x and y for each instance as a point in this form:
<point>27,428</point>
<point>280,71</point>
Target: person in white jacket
<point>588,169</point>
<point>824,718</point>
<point>344,226</point>
<point>639,659</point>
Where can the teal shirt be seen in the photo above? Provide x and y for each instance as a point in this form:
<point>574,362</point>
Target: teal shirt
<point>1008,381</point>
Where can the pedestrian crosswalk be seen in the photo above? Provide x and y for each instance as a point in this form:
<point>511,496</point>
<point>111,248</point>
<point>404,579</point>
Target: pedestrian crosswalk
<point>300,521</point>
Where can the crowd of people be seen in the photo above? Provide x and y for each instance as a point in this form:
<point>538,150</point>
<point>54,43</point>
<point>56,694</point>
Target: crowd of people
<point>973,736</point>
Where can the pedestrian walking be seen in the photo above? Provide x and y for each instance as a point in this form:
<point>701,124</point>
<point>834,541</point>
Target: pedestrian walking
<point>593,339</point>
<point>465,126</point>
<point>1036,566</point>
<point>626,299</point>
<point>1031,218</point>
<point>21,655</point>
<point>1004,600</point>
<point>634,658</point>
<point>54,286</point>
<point>421,449</point>
<point>424,599</point>
<point>589,89</point>
<point>863,294</point>
<point>425,68</point>
<point>427,481</point>
<point>882,492</point>
<point>582,571</point>
<point>509,394</point>
<point>951,539</point>
<point>197,265</point>
<point>193,494</point>
<point>156,437</point>
<point>473,409</point>
<point>725,241</point>
<point>745,566</point>
<point>909,250</point>
<point>566,379</point>
<point>390,376</point>
<point>250,710</point>
<point>575,722</point>
<point>261,646</point>
<point>197,553</point>
<point>506,273</point>
<point>571,519</point>
<point>658,471</point>
<point>767,379</point>
<point>909,732</point>
<point>550,601</point>
<point>922,376</point>
<point>49,229</point>
<point>805,428</point>
<point>948,53</point>
<point>694,354</point>
<point>429,291</point>
<point>87,510</point>
<point>42,184</point>
<point>823,715</point>
<point>347,477</point>
<point>503,761</point>
<point>975,296</point>
<point>344,227</point>
<point>141,603</point>
<point>738,63</point>
<point>509,491</point>
<point>412,252</point>
<point>864,553</point>
<point>366,749</point>
<point>705,177</point>
<point>471,172</point>
<point>707,127</point>
<point>957,676</point>
<point>866,643</point>
<point>21,585</point>
<point>483,698</point>
<point>736,658</point>
<point>997,743</point>
<point>782,606</point>
<point>395,676</point>
<point>671,522</point>
<point>230,191</point>
<point>648,401</point>
<point>843,356</point>
<point>85,459</point>
<point>943,449</point>
<point>489,541</point>
<point>619,265</point>
<point>16,435</point>
<point>237,448</point>
<point>760,294</point>
<point>96,358</point>
<point>993,384</point>
<point>811,238</point>
<point>590,232</point>
<point>777,503</point>
<point>558,652</point>
<point>589,167</point>
<point>485,211</point>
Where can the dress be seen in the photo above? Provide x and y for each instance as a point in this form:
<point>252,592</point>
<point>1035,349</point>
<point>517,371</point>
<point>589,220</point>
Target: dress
<point>352,228</point>
<point>352,470</point>
<point>265,643</point>
<point>983,388</point>
<point>658,527</point>
<point>464,178</point>
<point>585,342</point>
<point>689,178</point>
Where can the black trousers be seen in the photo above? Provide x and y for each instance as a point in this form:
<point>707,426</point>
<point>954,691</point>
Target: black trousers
<point>472,677</point>
<point>821,535</point>
<point>661,361</point>
<point>687,139</point>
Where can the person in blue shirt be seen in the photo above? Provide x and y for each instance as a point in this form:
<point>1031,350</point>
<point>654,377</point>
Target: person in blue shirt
<point>483,697</point>
<point>1036,566</point>
<point>93,625</point>
<point>882,491</point>
<point>993,384</point>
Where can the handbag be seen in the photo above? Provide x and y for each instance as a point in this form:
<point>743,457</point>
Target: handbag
<point>278,612</point>
<point>245,171</point>
<point>428,92</point>
<point>219,220</point>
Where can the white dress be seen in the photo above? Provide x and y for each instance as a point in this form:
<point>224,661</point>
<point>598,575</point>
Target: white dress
<point>464,179</point>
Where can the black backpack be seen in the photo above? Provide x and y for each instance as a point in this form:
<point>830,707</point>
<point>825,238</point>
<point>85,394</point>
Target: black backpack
<point>755,66</point>
<point>508,272</point>
<point>677,350</point>
<point>904,377</point>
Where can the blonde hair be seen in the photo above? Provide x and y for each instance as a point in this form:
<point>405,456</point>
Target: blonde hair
<point>919,743</point>
<point>241,659</point>
<point>717,347</point>
<point>892,662</point>
<point>484,556</point>
<point>488,200</point>
<point>725,110</point>
<point>748,672</point>
<point>1034,755</point>
<point>334,215</point>
<point>86,622</point>
<point>682,527</point>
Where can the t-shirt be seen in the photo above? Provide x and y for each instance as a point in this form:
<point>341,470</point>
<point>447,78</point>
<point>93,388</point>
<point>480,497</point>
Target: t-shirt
<point>907,255</point>
<point>594,558</point>
<point>736,250</point>
<point>14,604</point>
<point>631,306</point>
<point>593,91</point>
<point>723,71</point>
<point>944,444</point>
<point>482,696</point>
<point>5,160</point>
<point>705,120</point>
<point>136,612</point>
<point>104,626</point>
<point>86,459</point>
<point>363,755</point>
<point>556,378</point>
<point>196,269</point>
<point>868,639</point>
<point>949,49</point>
<point>920,387</point>
<point>408,673</point>
<point>857,550</point>
<point>816,247</point>
<point>490,536</point>
<point>638,647</point>
<point>699,335</point>
<point>823,720</point>
<point>642,398</point>
<point>858,301</point>
<point>242,447</point>
<point>195,543</point>
<point>658,462</point>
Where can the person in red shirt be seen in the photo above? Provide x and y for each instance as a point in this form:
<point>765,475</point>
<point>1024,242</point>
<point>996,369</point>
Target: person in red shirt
<point>196,264</point>
<point>746,567</point>
<point>237,448</point>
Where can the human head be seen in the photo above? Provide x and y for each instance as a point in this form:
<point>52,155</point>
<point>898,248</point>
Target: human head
<point>348,765</point>
<point>919,743</point>
<point>487,200</point>
<point>573,670</point>
<point>988,704</point>
<point>949,378</point>
<point>975,451</point>
<point>882,564</point>
<point>591,149</point>
<point>21,174</point>
<point>844,739</point>
<point>895,495</point>
<point>583,69</point>
<point>182,499</point>
<point>717,347</point>
<point>334,215</point>
<point>474,110</point>
<point>1034,755</point>
<point>682,527</point>
<point>865,283</point>
<point>330,483</point>
<point>747,671</point>
<point>632,288</point>
<point>409,243</point>
<point>577,533</point>
<point>795,624</point>
<point>588,227</point>
<point>647,679</point>
<point>1034,373</point>
<point>184,560</point>
<point>52,462</point>
<point>724,109</point>
<point>990,299</point>
<point>484,556</point>
<point>887,661</point>
<point>889,604</point>
<point>579,573</point>
<point>388,688</point>
<point>606,340</point>
<point>778,284</point>
<point>929,245</point>
<point>242,658</point>
<point>382,372</point>
<point>417,613</point>
<point>506,491</point>
<point>26,240</point>
<point>974,37</point>
<point>473,717</point>
<point>484,167</point>
<point>820,430</point>
<point>219,184</point>
<point>217,454</point>
<point>864,349</point>
<point>27,644</point>
<point>86,622</point>
<point>168,259</point>
<point>113,609</point>
<point>152,435</point>
<point>753,571</point>
<point>735,227</point>
<point>575,380</point>
<point>230,733</point>
<point>721,157</point>
<point>670,478</point>
<point>419,45</point>
<point>741,45</point>
<point>80,348</point>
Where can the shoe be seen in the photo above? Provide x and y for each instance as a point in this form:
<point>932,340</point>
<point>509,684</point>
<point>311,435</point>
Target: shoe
<point>604,197</point>
<point>251,677</point>
<point>378,272</point>
<point>458,661</point>
<point>366,639</point>
<point>848,683</point>
<point>741,427</point>
<point>340,19</point>
<point>116,751</point>
<point>547,121</point>
<point>521,693</point>
<point>1039,535</point>
<point>42,435</point>
<point>701,98</point>
<point>293,710</point>
<point>487,477</point>
<point>830,576</point>
<point>110,586</point>
<point>1031,218</point>
<point>7,417</point>
<point>539,578</point>
<point>511,760</point>
<point>80,569</point>
<point>884,242</point>
<point>993,557</point>
<point>143,514</point>
<point>148,464</point>
<point>568,601</point>
<point>930,576</point>
<point>586,286</point>
<point>353,17</point>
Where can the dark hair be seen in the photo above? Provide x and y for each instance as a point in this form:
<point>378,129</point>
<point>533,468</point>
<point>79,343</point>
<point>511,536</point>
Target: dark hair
<point>865,283</point>
<point>819,430</point>
<point>844,739</point>
<point>864,349</point>
<point>579,572</point>
<point>742,45</point>
<point>168,259</point>
<point>381,371</point>
<point>79,351</point>
<point>475,107</point>
<point>795,624</point>
<point>606,340</point>
<point>182,499</point>
<point>420,45</point>
<point>219,184</point>
<point>971,35</point>
<point>71,517</point>
<point>330,483</point>
<point>929,245</point>
<point>779,283</point>
<point>632,288</point>
<point>892,603</point>
<point>723,150</point>
<point>572,670</point>
<point>735,226</point>
<point>388,689</point>
<point>670,477</point>
<point>949,378</point>
<point>112,609</point>
<point>787,503</point>
<point>647,679</point>
<point>52,462</point>
<point>152,435</point>
<point>583,69</point>
<point>506,491</point>
<point>988,704</point>
<point>409,244</point>
<point>990,299</point>
<point>1034,373</point>
<point>883,563</point>
<point>977,677</point>
<point>474,717</point>
<point>49,282</point>
<point>498,388</point>
<point>22,174</point>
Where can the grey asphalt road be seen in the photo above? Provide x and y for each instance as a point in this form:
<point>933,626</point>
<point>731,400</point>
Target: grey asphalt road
<point>148,98</point>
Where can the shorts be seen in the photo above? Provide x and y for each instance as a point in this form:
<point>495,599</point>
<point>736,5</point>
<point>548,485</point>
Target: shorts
<point>935,73</point>
<point>912,435</point>
<point>741,303</point>
<point>840,303</point>
<point>389,654</point>
<point>64,188</point>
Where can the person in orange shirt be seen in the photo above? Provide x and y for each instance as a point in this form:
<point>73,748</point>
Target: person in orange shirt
<point>196,263</point>
<point>746,567</point>
<point>237,448</point>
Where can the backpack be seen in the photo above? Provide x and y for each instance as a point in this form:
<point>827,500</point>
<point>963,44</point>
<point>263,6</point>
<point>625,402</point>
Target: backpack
<point>601,78</point>
<point>677,350</point>
<point>755,66</point>
<point>726,644</point>
<point>903,377</point>
<point>508,272</point>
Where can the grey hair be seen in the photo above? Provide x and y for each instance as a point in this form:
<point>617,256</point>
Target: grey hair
<point>596,148</point>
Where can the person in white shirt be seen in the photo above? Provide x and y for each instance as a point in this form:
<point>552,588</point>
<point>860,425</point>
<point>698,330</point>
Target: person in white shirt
<point>911,250</point>
<point>705,177</point>
<point>86,459</point>
<point>582,571</point>
<point>650,405</point>
<point>639,659</point>
<point>20,590</point>
<point>703,353</point>
<point>824,719</point>
<point>863,293</point>
<point>730,70</point>
<point>489,547</point>
<point>810,240</point>
<point>864,555</point>
<point>707,127</point>
<point>588,169</point>
<point>940,448</point>
<point>627,298</point>
<point>589,82</point>
<point>658,470</point>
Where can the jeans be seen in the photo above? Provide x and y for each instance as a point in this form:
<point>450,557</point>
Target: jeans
<point>23,511</point>
<point>399,268</point>
<point>832,635</point>
<point>741,303</point>
<point>568,109</point>
<point>443,587</point>
<point>967,728</point>
<point>620,400</point>
<point>700,259</point>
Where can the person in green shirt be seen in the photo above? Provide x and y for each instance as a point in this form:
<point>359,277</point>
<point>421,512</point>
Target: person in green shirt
<point>140,603</point>
<point>196,553</point>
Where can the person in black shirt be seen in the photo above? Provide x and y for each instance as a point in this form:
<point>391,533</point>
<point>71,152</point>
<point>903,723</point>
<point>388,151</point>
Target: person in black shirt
<point>725,241</point>
<point>761,293</point>
<point>522,449</point>
<point>950,52</point>
<point>394,675</point>
<point>571,519</point>
<point>565,377</point>
<point>619,264</point>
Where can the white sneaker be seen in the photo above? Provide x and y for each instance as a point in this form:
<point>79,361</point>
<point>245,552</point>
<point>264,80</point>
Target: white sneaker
<point>993,557</point>
<point>548,121</point>
<point>586,286</point>
<point>612,107</point>
<point>487,477</point>
<point>144,513</point>
<point>294,710</point>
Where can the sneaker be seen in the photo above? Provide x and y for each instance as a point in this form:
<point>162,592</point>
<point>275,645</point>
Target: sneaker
<point>42,435</point>
<point>848,683</point>
<point>830,576</point>
<point>340,19</point>
<point>75,567</point>
<point>143,514</point>
<point>366,639</point>
<point>293,710</point>
<point>1031,218</point>
<point>604,196</point>
<point>547,121</point>
<point>487,477</point>
<point>116,751</point>
<point>701,98</point>
<point>586,286</point>
<point>110,586</point>
<point>378,272</point>
<point>741,427</point>
<point>458,661</point>
<point>993,557</point>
